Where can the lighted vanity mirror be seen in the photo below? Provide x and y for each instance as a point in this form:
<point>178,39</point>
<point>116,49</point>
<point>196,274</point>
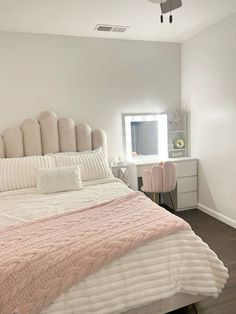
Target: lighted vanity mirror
<point>145,136</point>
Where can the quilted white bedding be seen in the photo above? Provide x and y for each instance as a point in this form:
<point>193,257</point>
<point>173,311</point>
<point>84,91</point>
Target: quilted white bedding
<point>177,263</point>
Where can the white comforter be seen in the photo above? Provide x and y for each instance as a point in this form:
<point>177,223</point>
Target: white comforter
<point>177,263</point>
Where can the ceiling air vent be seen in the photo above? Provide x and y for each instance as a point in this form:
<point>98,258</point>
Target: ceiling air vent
<point>110,28</point>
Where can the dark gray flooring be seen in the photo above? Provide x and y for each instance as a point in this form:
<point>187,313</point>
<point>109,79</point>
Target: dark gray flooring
<point>221,238</point>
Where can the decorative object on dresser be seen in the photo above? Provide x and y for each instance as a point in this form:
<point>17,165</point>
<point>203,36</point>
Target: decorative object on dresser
<point>179,144</point>
<point>160,179</point>
<point>186,192</point>
<point>178,134</point>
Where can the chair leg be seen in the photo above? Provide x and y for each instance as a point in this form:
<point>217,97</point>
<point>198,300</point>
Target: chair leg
<point>172,202</point>
<point>159,200</point>
<point>195,309</point>
<point>154,197</point>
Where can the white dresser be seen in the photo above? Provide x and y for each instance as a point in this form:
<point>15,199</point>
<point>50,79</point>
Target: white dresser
<point>186,193</point>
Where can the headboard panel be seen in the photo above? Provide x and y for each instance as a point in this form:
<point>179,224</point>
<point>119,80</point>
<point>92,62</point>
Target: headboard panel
<point>31,137</point>
<point>13,140</point>
<point>67,135</point>
<point>50,135</point>
<point>2,148</point>
<point>98,137</point>
<point>49,132</point>
<point>84,137</point>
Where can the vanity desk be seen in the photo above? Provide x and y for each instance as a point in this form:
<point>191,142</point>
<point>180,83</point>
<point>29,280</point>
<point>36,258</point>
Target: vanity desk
<point>186,193</point>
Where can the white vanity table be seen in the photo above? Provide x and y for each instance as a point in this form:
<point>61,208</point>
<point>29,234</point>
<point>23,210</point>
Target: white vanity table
<point>146,137</point>
<point>186,193</point>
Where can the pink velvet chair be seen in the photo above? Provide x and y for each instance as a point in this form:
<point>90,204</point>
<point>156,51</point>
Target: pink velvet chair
<point>160,179</point>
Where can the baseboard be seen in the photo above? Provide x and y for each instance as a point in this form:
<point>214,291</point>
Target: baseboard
<point>217,215</point>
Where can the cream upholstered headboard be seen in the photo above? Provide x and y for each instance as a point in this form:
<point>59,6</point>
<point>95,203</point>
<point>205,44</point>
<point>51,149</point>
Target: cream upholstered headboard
<point>48,134</point>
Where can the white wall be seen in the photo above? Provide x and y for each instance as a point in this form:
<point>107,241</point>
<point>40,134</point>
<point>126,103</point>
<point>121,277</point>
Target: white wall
<point>209,91</point>
<point>91,80</point>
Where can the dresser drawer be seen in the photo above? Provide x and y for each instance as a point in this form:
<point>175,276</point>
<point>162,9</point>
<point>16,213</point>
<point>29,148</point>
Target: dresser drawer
<point>187,168</point>
<point>186,200</point>
<point>186,184</point>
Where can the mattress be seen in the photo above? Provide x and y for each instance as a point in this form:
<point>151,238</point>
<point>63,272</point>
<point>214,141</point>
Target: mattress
<point>178,263</point>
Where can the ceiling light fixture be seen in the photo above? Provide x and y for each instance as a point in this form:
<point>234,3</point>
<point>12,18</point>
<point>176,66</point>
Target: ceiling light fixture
<point>162,17</point>
<point>171,16</point>
<point>167,6</point>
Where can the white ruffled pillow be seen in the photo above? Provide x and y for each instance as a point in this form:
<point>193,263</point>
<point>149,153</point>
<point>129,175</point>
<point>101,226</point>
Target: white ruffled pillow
<point>58,179</point>
<point>93,164</point>
<point>19,173</point>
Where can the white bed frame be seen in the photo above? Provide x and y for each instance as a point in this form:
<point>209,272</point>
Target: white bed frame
<point>48,134</point>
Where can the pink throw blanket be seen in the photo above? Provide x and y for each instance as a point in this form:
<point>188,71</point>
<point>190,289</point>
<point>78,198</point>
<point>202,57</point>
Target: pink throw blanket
<point>40,259</point>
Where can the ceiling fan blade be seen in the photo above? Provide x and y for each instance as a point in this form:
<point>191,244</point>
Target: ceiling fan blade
<point>170,5</point>
<point>157,1</point>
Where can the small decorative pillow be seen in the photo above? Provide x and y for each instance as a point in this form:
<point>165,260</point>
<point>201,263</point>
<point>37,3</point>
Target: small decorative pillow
<point>94,165</point>
<point>58,179</point>
<point>19,173</point>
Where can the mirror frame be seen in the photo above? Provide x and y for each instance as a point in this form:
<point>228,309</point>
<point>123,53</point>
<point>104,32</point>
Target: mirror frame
<point>161,118</point>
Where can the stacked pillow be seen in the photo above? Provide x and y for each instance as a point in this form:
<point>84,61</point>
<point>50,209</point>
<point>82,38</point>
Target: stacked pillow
<point>20,173</point>
<point>93,164</point>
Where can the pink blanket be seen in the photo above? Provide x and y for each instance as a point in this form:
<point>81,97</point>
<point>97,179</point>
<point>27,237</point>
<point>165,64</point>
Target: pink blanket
<point>39,260</point>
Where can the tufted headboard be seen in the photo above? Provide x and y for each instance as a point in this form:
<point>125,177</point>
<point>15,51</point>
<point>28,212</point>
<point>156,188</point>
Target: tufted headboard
<point>48,134</point>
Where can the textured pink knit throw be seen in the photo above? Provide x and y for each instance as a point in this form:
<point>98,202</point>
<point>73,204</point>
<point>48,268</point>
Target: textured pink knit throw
<point>39,260</point>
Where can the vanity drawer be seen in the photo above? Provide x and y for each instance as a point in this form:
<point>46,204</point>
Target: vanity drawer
<point>187,184</point>
<point>184,168</point>
<point>187,168</point>
<point>186,200</point>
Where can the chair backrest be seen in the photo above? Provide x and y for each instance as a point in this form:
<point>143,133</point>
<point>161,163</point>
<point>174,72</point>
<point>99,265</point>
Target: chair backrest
<point>160,178</point>
<point>169,176</point>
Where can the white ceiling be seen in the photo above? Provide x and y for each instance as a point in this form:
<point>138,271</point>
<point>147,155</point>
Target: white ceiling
<point>79,17</point>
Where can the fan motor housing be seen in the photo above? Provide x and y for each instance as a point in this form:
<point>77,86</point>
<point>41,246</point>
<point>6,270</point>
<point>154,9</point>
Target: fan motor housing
<point>168,5</point>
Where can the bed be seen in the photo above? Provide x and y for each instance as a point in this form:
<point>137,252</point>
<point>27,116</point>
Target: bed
<point>162,275</point>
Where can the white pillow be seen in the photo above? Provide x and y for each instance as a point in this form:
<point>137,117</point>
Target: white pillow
<point>58,179</point>
<point>94,166</point>
<point>19,173</point>
<point>94,151</point>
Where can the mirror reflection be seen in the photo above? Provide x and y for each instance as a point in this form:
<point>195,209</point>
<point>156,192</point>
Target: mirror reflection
<point>144,138</point>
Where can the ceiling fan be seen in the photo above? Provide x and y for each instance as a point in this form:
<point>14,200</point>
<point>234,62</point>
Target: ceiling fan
<point>167,6</point>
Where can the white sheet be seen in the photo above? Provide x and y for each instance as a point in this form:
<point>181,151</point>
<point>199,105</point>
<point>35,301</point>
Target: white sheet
<point>24,205</point>
<point>177,263</point>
